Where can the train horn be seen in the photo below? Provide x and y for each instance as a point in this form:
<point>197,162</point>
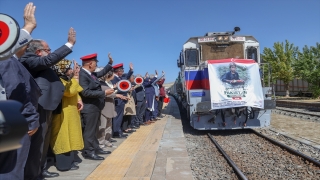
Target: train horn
<point>9,32</point>
<point>124,85</point>
<point>138,80</point>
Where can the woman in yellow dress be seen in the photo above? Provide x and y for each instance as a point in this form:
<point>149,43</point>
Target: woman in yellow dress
<point>66,136</point>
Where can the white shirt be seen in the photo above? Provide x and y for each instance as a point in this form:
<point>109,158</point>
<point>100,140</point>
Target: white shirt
<point>87,71</point>
<point>69,45</point>
<point>109,83</point>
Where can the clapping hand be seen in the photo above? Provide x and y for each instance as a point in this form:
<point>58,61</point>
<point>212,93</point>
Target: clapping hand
<point>72,36</point>
<point>156,72</point>
<point>147,74</point>
<point>109,91</point>
<point>163,72</point>
<point>29,19</point>
<point>110,58</point>
<point>121,96</point>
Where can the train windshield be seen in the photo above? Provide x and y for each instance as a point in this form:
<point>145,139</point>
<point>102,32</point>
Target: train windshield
<point>252,53</point>
<point>191,57</point>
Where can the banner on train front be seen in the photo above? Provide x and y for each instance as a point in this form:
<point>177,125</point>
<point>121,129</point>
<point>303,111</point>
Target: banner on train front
<point>235,83</point>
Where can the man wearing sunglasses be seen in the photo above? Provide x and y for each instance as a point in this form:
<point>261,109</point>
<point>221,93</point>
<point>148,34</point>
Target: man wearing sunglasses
<point>38,59</point>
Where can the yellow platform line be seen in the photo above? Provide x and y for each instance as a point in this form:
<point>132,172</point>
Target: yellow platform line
<point>118,163</point>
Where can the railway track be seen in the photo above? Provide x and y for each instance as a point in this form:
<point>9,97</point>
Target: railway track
<point>255,156</point>
<point>300,113</point>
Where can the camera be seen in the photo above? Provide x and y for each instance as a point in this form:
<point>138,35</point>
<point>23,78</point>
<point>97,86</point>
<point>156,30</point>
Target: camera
<point>13,125</point>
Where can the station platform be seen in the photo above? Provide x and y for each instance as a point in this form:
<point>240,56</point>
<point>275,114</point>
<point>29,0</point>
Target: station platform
<point>156,152</point>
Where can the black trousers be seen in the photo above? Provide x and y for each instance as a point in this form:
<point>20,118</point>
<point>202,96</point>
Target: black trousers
<point>12,162</point>
<point>37,157</point>
<point>117,121</point>
<point>65,161</point>
<point>126,122</point>
<point>90,123</point>
<point>160,105</point>
<point>140,111</point>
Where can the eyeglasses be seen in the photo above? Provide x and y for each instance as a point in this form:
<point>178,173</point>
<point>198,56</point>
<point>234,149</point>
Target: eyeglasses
<point>46,50</point>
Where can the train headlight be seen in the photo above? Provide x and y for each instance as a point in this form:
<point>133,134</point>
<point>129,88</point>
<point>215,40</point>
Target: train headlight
<point>203,106</point>
<point>223,39</point>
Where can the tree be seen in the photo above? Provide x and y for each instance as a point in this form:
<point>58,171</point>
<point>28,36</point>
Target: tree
<point>281,59</point>
<point>307,67</point>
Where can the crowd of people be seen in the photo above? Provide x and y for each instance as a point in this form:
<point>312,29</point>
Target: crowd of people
<point>70,108</point>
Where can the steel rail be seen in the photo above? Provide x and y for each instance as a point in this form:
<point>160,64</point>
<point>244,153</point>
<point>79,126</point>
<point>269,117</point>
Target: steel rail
<point>293,151</point>
<point>298,112</point>
<point>286,136</point>
<point>232,164</point>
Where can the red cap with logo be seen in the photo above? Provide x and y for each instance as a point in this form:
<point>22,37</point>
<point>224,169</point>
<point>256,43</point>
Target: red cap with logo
<point>89,57</point>
<point>118,66</point>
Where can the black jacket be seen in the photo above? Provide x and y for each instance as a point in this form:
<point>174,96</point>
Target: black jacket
<point>48,81</point>
<point>92,95</point>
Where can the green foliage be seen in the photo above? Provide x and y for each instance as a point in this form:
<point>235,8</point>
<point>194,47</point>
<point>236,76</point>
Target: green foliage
<point>281,58</point>
<point>265,69</point>
<point>307,67</point>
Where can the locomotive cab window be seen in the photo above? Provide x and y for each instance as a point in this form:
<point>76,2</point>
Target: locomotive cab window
<point>191,57</point>
<point>252,53</point>
<point>181,58</point>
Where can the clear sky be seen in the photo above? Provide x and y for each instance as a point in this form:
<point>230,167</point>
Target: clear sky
<point>150,33</point>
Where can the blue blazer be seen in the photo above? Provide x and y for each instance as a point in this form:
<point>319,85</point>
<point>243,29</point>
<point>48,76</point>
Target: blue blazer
<point>20,86</point>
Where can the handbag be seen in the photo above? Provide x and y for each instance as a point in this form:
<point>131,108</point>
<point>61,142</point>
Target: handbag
<point>130,106</point>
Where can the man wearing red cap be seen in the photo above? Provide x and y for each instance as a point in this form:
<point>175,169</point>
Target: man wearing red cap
<point>119,103</point>
<point>93,102</point>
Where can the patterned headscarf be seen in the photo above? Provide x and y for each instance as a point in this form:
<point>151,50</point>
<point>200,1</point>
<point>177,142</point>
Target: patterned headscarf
<point>62,67</point>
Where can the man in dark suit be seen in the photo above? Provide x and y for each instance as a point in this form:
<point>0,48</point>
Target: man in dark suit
<point>19,86</point>
<point>93,99</point>
<point>119,103</point>
<point>38,59</point>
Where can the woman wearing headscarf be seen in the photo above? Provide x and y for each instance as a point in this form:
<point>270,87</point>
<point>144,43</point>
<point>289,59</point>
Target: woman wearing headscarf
<point>66,136</point>
<point>104,133</point>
